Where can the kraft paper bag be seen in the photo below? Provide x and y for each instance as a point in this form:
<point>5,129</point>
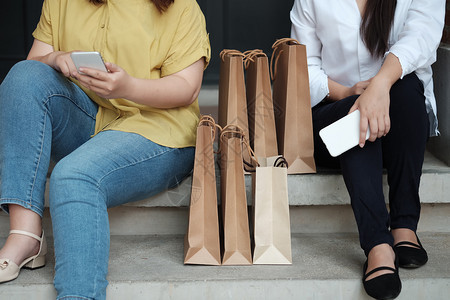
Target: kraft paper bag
<point>202,241</point>
<point>232,94</point>
<point>272,231</point>
<point>261,117</point>
<point>293,106</point>
<point>236,231</point>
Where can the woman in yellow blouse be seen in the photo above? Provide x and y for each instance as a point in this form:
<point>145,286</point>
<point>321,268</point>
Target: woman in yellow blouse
<point>117,136</point>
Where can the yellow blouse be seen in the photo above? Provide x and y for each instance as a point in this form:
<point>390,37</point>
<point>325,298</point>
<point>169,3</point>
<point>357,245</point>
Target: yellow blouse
<point>147,44</point>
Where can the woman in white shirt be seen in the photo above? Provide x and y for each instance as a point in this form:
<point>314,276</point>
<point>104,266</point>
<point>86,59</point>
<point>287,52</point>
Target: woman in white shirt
<point>376,56</point>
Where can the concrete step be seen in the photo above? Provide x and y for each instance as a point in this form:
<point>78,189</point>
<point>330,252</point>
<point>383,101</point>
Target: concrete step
<point>326,187</point>
<point>304,220</point>
<point>325,266</point>
<point>319,203</point>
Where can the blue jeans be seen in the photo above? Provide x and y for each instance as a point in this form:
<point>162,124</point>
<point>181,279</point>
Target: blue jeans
<point>42,116</point>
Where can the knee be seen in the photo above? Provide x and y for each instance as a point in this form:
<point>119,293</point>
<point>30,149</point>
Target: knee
<point>408,91</point>
<point>408,101</point>
<point>26,80</point>
<point>71,181</point>
<point>28,71</point>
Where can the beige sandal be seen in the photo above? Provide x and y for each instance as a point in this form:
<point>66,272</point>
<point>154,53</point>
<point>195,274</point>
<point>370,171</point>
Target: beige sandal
<point>10,270</point>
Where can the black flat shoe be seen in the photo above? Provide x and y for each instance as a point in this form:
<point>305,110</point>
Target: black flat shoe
<point>383,287</point>
<point>411,257</point>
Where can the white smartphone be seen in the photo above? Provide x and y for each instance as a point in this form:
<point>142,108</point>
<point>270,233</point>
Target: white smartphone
<point>343,134</point>
<point>91,60</point>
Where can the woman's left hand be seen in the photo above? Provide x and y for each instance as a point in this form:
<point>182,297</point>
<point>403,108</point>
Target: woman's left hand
<point>112,84</point>
<point>373,105</point>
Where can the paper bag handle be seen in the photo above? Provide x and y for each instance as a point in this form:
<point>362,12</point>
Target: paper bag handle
<point>236,131</point>
<point>280,162</point>
<point>230,52</point>
<point>207,120</point>
<point>276,56</point>
<point>250,55</point>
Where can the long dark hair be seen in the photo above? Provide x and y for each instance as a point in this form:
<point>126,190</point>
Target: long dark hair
<point>161,5</point>
<point>376,25</point>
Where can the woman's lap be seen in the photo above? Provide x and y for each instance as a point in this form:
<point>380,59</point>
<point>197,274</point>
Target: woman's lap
<point>363,166</point>
<point>45,115</point>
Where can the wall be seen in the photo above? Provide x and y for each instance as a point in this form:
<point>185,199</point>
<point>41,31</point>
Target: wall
<point>446,35</point>
<point>232,24</point>
<point>235,24</point>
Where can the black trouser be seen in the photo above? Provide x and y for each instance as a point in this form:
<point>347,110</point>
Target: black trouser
<point>401,152</point>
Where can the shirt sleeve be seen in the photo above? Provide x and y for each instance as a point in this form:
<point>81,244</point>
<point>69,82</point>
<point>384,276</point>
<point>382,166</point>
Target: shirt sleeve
<point>304,30</point>
<point>43,31</point>
<point>190,43</point>
<point>420,37</point>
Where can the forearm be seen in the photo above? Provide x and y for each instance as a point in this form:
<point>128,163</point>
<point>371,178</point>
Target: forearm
<point>48,59</point>
<point>390,72</point>
<point>337,91</point>
<point>168,92</point>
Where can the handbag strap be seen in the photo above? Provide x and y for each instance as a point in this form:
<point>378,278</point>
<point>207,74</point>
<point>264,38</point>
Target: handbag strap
<point>250,55</point>
<point>277,53</point>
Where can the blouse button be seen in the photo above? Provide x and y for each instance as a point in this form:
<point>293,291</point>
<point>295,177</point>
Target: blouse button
<point>102,26</point>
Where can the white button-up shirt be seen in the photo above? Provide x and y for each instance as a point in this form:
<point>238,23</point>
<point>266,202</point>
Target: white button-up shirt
<point>330,29</point>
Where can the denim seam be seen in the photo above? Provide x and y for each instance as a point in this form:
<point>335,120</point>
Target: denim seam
<point>97,243</point>
<point>135,163</point>
<point>70,99</point>
<point>73,297</point>
<point>38,158</point>
<point>21,201</point>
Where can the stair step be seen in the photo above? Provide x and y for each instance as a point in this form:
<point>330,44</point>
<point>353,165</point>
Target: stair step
<point>319,203</point>
<point>323,188</point>
<point>304,219</point>
<point>325,266</point>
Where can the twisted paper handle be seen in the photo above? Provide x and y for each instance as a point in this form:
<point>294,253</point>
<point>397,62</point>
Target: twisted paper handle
<point>207,120</point>
<point>230,52</point>
<point>280,162</point>
<point>236,131</point>
<point>250,55</point>
<point>276,55</point>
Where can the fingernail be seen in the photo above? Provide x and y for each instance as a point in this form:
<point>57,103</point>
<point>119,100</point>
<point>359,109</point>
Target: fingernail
<point>361,145</point>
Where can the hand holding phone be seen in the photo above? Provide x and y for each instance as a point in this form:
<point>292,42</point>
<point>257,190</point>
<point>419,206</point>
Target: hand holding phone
<point>343,134</point>
<point>91,60</point>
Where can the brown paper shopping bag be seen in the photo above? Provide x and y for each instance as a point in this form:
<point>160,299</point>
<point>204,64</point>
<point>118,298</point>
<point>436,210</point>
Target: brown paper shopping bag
<point>202,242</point>
<point>261,117</point>
<point>272,231</point>
<point>236,232</point>
<point>293,106</point>
<point>232,96</point>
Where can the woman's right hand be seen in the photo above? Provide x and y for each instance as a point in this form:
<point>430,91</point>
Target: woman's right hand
<point>62,62</point>
<point>58,60</point>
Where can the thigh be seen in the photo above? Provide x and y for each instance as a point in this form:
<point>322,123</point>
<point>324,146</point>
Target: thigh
<point>409,118</point>
<point>323,115</point>
<point>126,166</point>
<point>39,102</point>
<point>41,113</point>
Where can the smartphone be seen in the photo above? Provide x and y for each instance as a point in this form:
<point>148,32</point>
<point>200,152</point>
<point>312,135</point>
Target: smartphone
<point>343,134</point>
<point>91,60</point>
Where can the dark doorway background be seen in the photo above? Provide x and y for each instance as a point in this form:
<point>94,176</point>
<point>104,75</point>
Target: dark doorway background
<point>232,24</point>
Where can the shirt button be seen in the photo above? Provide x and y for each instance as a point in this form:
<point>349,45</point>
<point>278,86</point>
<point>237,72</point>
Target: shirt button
<point>102,26</point>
